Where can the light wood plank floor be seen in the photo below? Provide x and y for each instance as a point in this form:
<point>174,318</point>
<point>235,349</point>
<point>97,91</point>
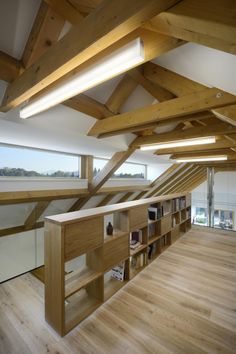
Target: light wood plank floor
<point>184,302</point>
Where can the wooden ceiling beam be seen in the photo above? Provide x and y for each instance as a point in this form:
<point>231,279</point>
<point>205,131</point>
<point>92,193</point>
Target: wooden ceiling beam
<point>125,197</point>
<point>107,27</point>
<point>89,106</point>
<point>17,197</point>
<point>164,183</point>
<point>180,184</point>
<point>169,173</point>
<point>86,6</point>
<point>10,68</point>
<point>67,9</point>
<point>35,214</point>
<point>155,90</point>
<point>207,22</point>
<point>187,169</point>
<point>195,182</point>
<point>227,114</point>
<point>105,200</point>
<point>200,101</point>
<point>121,189</point>
<point>218,129</point>
<point>45,31</point>
<point>181,86</point>
<point>120,94</point>
<point>17,229</point>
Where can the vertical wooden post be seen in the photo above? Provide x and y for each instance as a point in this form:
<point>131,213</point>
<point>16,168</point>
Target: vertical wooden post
<point>87,168</point>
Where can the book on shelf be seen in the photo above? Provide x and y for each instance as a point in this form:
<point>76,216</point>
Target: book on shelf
<point>154,212</point>
<point>152,250</point>
<point>188,213</point>
<point>175,205</point>
<point>151,230</point>
<point>182,203</point>
<point>118,272</point>
<point>138,261</point>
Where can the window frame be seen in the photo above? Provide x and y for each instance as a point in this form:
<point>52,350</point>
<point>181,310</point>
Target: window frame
<point>41,178</point>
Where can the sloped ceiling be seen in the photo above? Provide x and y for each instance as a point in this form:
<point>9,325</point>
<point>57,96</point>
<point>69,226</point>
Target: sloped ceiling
<point>64,129</point>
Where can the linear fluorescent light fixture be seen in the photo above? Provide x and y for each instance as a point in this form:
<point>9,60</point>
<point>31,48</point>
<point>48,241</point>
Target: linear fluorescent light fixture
<point>202,159</point>
<point>180,143</point>
<point>112,65</point>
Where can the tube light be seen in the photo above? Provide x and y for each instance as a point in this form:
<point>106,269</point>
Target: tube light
<point>180,143</point>
<point>112,65</point>
<point>202,159</point>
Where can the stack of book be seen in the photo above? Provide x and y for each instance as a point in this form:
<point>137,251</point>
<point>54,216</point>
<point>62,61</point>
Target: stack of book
<point>135,239</point>
<point>118,272</point>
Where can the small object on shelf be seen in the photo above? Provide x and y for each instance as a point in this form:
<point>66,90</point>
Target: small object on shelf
<point>109,229</point>
<point>118,272</point>
<point>134,244</point>
<point>151,230</point>
<point>152,213</point>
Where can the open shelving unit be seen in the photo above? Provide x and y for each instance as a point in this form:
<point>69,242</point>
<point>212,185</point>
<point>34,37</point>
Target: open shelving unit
<point>108,262</point>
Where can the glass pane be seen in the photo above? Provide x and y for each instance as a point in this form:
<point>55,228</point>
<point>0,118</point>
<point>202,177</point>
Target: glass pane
<point>127,170</point>
<point>225,199</point>
<point>130,170</point>
<point>98,165</point>
<point>25,162</point>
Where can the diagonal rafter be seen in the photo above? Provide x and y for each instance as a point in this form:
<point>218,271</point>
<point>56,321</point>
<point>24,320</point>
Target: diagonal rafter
<point>45,31</point>
<point>120,94</point>
<point>98,181</point>
<point>35,214</point>
<point>67,10</point>
<point>10,68</point>
<point>89,106</point>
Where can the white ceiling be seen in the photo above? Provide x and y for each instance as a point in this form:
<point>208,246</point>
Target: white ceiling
<point>64,129</point>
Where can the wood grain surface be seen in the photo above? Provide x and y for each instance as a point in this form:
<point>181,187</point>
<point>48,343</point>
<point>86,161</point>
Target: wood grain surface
<point>183,302</point>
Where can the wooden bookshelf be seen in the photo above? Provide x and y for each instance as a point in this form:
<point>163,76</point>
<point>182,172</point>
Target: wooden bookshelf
<point>71,297</point>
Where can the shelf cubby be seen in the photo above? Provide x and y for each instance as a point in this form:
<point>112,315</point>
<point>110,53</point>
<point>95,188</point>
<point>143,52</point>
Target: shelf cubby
<point>82,303</point>
<point>141,236</point>
<point>175,218</point>
<point>183,215</point>
<point>175,233</point>
<point>137,263</point>
<point>111,284</point>
<point>166,207</point>
<point>166,224</point>
<point>154,250</point>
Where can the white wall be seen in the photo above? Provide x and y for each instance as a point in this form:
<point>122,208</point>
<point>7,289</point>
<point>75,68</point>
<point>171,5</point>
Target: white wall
<point>224,193</point>
<point>23,252</point>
